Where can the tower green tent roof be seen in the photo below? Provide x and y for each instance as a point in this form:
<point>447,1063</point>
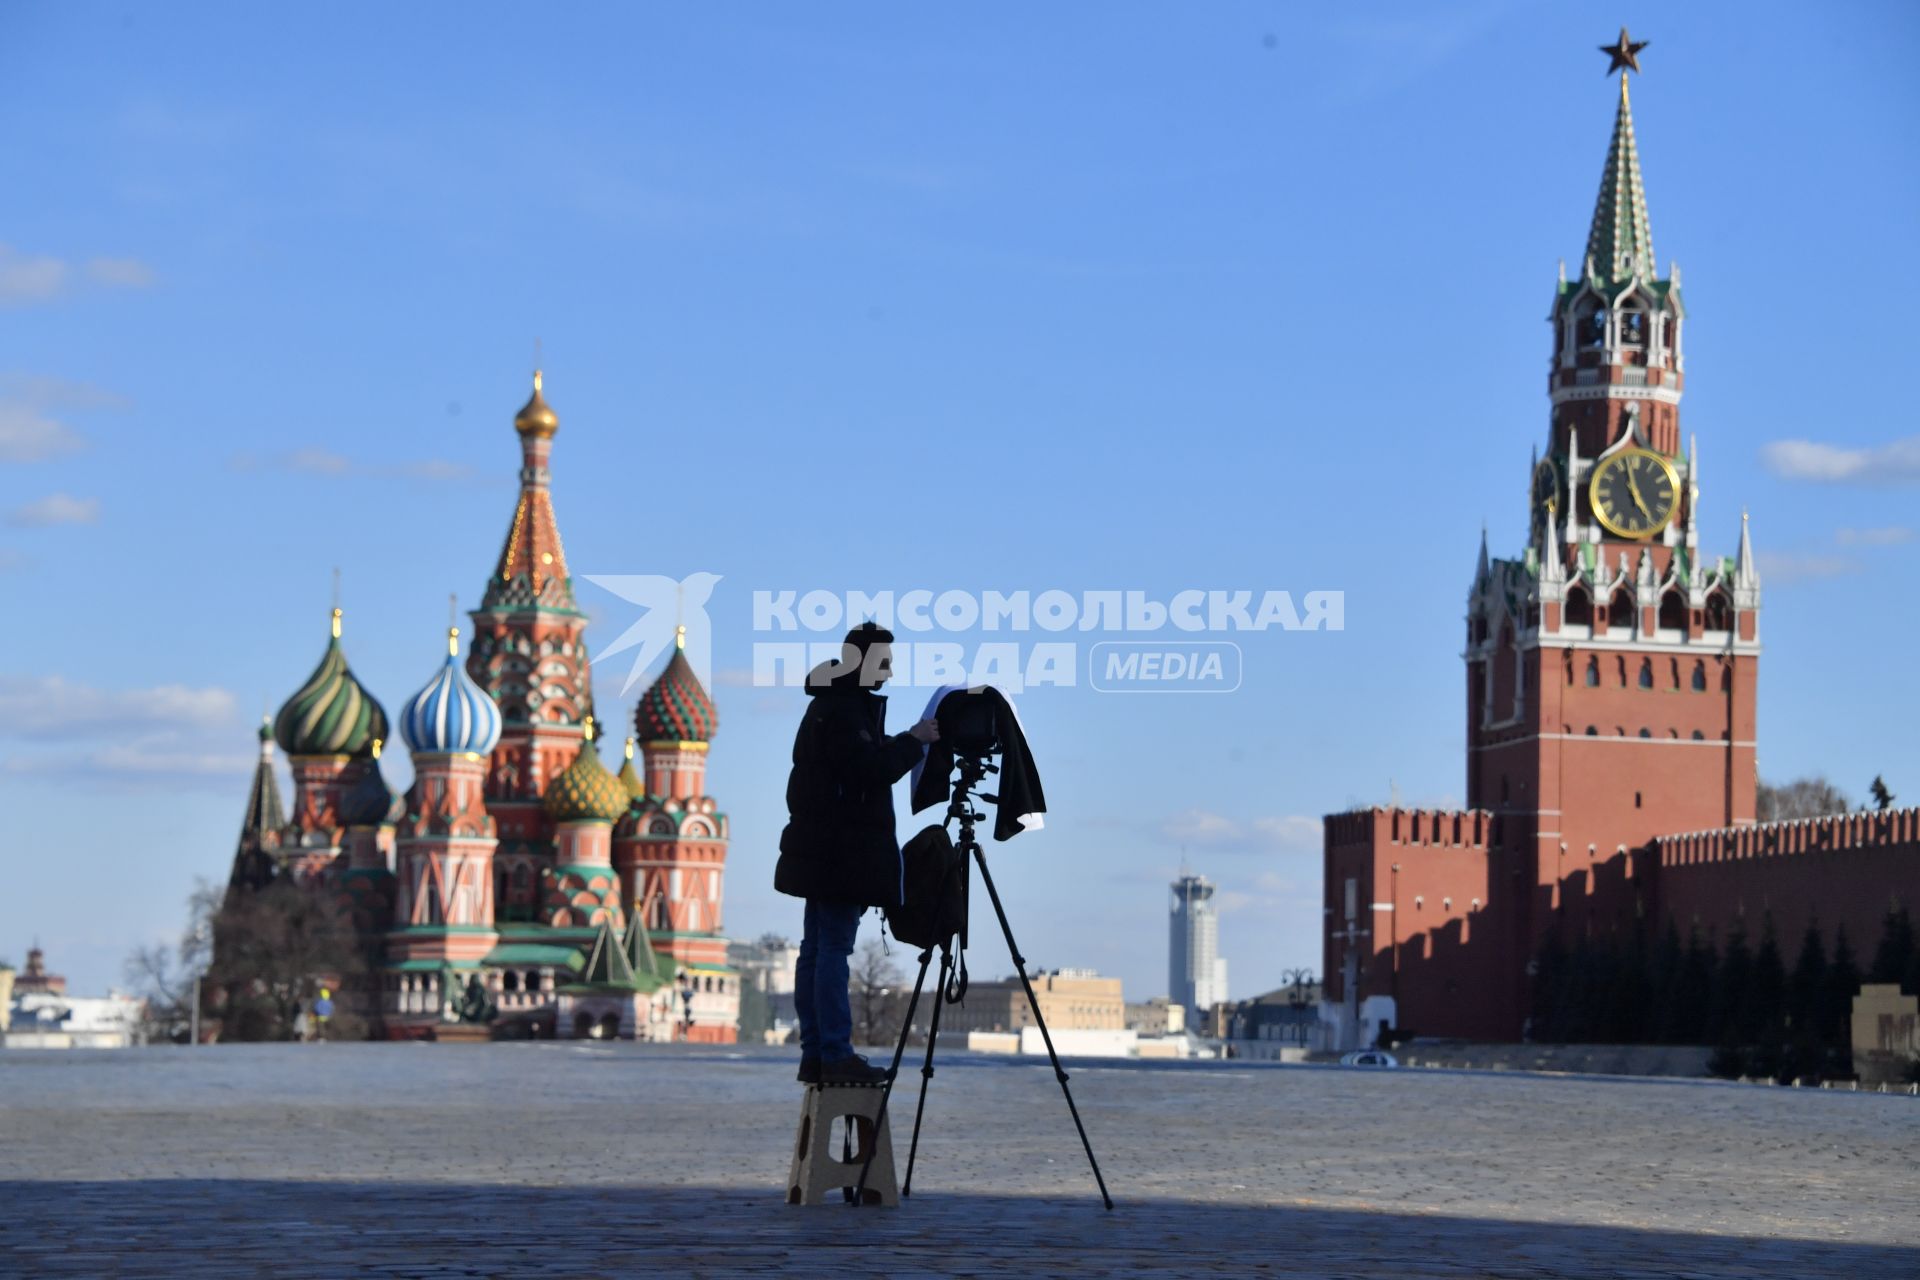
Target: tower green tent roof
<point>611,965</point>
<point>1620,243</point>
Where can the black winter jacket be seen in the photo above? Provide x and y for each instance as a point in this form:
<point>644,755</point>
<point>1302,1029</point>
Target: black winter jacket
<point>839,844</point>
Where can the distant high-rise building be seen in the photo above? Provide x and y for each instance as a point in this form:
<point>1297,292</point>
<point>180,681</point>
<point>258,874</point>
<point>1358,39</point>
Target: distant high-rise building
<point>1196,973</point>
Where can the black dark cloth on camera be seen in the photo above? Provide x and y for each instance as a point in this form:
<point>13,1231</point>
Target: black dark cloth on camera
<point>839,844</point>
<point>1021,799</point>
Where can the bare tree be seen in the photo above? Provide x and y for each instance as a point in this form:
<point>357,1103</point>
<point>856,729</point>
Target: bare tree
<point>273,949</point>
<point>875,989</point>
<point>1802,798</point>
<point>163,975</point>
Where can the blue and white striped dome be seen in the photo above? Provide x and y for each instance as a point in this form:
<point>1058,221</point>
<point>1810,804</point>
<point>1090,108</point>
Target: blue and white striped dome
<point>452,714</point>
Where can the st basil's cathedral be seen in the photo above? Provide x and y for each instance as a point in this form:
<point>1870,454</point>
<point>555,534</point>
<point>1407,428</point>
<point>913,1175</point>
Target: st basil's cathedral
<point>518,876</point>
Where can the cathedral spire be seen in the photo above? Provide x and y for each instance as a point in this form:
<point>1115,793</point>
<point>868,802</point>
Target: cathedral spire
<point>532,569</point>
<point>1620,244</point>
<point>253,862</point>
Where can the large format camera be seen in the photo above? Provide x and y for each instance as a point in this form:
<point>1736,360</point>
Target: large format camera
<point>977,728</point>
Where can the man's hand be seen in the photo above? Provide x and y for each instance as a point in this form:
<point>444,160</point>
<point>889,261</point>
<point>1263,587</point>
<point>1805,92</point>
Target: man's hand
<point>925,731</point>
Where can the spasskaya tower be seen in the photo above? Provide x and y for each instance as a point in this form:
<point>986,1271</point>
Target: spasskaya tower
<point>1611,667</point>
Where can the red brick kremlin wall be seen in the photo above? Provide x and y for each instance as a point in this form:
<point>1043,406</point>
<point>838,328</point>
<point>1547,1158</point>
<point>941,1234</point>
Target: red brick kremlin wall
<point>1452,917</point>
<point>1443,908</point>
<point>1844,869</point>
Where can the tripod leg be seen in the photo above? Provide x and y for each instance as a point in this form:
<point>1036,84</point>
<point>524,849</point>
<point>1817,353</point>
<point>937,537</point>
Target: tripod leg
<point>1020,967</point>
<point>926,1071</point>
<point>899,1050</point>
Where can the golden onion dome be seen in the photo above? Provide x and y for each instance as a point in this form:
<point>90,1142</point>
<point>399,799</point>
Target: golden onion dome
<point>584,791</point>
<point>630,777</point>
<point>536,417</point>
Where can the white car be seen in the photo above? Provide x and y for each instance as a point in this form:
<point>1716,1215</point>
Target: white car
<point>1369,1058</point>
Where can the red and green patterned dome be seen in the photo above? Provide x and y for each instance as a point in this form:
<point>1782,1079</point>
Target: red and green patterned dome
<point>585,791</point>
<point>676,708</point>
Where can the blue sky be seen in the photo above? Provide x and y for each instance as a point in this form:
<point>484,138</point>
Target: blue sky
<point>853,297</point>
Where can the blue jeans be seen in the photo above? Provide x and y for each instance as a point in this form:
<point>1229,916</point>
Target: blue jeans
<point>820,980</point>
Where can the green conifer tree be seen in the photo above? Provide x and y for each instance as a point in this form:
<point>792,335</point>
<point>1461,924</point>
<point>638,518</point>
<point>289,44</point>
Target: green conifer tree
<point>1895,952</point>
<point>1730,992</point>
<point>1806,997</point>
<point>1806,988</point>
<point>1629,988</point>
<point>1763,1016</point>
<point>1843,984</point>
<point>1663,982</point>
<point>1693,1003</point>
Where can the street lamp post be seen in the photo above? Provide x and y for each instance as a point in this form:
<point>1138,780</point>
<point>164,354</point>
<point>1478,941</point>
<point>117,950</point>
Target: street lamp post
<point>1298,980</point>
<point>199,975</point>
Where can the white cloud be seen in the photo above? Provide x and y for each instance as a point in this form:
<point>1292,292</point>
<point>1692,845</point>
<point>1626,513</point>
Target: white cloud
<point>26,279</point>
<point>1201,829</point>
<point>1894,463</point>
<point>1267,894</point>
<point>55,508</point>
<point>28,435</point>
<point>44,392</point>
<point>162,757</point>
<point>1779,567</point>
<point>1892,536</point>
<point>430,469</point>
<point>1295,831</point>
<point>120,273</point>
<point>318,462</point>
<point>325,462</point>
<point>46,707</point>
<point>157,758</point>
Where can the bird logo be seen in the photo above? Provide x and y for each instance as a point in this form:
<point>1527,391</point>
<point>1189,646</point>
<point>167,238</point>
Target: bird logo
<point>667,605</point>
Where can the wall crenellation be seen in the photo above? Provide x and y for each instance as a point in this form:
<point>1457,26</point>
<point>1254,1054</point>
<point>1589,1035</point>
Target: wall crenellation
<point>1831,833</point>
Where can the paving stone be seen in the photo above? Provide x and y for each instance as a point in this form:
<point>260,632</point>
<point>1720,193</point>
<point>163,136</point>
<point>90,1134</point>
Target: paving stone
<point>548,1159</point>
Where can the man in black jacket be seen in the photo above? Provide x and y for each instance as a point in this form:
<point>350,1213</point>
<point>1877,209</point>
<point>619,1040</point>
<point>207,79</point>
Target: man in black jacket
<point>839,850</point>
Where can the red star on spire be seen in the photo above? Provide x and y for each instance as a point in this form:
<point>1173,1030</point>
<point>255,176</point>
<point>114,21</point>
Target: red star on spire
<point>1624,53</point>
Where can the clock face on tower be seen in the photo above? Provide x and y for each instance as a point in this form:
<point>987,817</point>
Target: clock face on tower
<point>1635,493</point>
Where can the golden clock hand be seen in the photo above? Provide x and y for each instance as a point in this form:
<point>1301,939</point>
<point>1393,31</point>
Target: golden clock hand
<point>1633,487</point>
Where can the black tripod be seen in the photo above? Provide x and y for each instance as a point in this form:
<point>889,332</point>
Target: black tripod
<point>953,987</point>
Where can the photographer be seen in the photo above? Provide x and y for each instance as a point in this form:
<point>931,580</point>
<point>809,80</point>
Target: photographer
<point>839,850</point>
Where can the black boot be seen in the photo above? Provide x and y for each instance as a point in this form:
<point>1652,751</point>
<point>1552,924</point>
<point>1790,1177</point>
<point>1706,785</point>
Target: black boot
<point>809,1071</point>
<point>851,1070</point>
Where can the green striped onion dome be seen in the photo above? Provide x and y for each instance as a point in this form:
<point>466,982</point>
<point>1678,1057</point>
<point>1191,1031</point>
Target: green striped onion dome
<point>676,708</point>
<point>332,714</point>
<point>585,791</point>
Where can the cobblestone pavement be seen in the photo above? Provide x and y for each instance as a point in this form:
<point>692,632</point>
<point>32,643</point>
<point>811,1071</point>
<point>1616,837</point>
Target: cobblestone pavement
<point>616,1160</point>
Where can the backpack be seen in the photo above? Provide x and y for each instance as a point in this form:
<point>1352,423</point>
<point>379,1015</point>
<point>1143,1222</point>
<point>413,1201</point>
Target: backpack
<point>934,891</point>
